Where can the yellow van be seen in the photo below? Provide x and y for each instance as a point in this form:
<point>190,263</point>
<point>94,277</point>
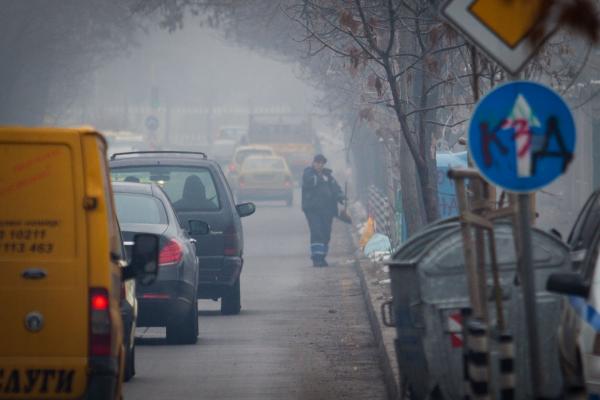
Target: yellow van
<point>61,267</point>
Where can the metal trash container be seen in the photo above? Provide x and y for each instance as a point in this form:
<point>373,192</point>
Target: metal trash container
<point>429,289</point>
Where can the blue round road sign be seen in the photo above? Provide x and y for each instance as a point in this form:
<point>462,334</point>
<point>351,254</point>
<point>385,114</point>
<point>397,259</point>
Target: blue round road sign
<point>522,136</point>
<point>151,123</point>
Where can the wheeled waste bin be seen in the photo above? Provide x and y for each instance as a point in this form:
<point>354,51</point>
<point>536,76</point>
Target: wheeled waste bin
<point>429,289</point>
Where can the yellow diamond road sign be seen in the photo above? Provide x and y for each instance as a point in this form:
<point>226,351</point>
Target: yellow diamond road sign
<point>498,27</point>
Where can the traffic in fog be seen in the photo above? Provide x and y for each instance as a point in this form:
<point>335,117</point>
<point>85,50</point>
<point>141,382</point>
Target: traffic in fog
<point>291,199</point>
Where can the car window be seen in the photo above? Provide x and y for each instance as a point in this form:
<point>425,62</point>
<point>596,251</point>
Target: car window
<point>586,225</point>
<point>242,154</point>
<point>263,163</point>
<point>139,209</point>
<point>188,188</point>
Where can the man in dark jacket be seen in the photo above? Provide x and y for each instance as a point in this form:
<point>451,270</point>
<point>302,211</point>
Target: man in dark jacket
<point>320,195</point>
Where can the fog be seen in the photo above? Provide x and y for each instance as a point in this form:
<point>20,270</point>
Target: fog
<point>192,71</point>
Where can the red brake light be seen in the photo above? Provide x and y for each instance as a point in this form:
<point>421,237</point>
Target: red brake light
<point>231,241</point>
<point>99,302</point>
<point>232,167</point>
<point>242,181</point>
<point>170,254</point>
<point>100,323</point>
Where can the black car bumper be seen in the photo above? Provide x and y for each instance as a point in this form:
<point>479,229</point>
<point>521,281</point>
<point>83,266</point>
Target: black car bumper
<point>164,300</point>
<point>213,282</point>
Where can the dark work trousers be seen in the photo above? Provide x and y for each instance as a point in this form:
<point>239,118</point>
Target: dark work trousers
<point>319,223</point>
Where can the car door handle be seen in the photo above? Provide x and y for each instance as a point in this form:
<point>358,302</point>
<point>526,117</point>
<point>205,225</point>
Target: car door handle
<point>34,273</point>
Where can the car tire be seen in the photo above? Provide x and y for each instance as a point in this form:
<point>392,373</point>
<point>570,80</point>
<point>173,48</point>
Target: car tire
<point>231,303</point>
<point>129,364</point>
<point>184,330</point>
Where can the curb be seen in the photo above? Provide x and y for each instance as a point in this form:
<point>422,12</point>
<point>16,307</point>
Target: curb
<point>390,376</point>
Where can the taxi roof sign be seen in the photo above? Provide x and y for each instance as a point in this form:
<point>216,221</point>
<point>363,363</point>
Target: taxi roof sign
<point>484,22</point>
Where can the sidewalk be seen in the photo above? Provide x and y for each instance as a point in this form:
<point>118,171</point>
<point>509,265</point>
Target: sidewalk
<point>375,283</point>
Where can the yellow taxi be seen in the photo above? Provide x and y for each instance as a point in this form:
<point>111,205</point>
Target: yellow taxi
<point>265,178</point>
<point>240,154</point>
<point>62,267</point>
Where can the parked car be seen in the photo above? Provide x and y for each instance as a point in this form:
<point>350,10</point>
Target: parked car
<point>579,333</point>
<point>129,313</point>
<point>240,155</point>
<point>198,190</point>
<point>172,300</point>
<point>265,178</point>
<point>584,230</point>
<point>59,239</point>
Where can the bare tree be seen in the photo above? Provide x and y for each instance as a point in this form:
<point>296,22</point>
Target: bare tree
<point>49,48</point>
<point>415,70</point>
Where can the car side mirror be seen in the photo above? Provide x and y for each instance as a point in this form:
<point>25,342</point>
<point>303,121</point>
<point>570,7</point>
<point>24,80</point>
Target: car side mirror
<point>569,283</point>
<point>198,227</point>
<point>245,209</point>
<point>144,259</point>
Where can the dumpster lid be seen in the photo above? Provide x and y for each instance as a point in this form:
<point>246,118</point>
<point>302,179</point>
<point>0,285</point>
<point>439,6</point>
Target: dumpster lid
<point>444,237</point>
<point>411,248</point>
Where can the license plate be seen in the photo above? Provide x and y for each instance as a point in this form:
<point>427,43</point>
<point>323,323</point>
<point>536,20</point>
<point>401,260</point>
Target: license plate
<point>40,382</point>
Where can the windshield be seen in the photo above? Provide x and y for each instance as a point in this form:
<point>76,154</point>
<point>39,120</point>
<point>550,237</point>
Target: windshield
<point>243,154</point>
<point>188,188</point>
<point>139,209</point>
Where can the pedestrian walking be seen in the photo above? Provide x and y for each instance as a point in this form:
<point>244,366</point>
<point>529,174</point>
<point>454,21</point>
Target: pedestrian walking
<point>320,197</point>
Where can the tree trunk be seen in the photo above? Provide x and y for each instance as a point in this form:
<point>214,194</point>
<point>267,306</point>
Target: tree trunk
<point>414,215</point>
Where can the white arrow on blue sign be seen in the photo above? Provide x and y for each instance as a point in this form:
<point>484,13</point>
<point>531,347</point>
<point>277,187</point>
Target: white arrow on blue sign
<point>522,136</point>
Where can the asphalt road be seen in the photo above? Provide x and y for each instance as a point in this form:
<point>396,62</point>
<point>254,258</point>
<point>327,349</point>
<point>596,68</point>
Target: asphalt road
<point>303,332</point>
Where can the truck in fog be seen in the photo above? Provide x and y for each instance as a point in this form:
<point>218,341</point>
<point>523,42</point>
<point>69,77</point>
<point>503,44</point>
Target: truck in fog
<point>292,136</point>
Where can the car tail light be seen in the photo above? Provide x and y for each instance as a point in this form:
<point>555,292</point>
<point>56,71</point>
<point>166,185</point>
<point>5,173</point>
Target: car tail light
<point>242,181</point>
<point>100,323</point>
<point>231,240</point>
<point>232,167</point>
<point>170,254</point>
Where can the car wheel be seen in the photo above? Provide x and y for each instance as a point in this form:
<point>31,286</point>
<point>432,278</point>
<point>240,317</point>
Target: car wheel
<point>231,301</point>
<point>184,330</point>
<point>129,364</point>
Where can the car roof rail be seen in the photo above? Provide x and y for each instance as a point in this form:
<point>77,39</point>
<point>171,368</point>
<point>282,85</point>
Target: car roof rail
<point>128,153</point>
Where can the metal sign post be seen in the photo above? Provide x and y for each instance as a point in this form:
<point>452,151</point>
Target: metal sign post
<point>527,271</point>
<point>521,138</point>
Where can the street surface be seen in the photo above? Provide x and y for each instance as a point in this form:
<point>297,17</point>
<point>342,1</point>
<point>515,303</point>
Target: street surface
<point>303,332</point>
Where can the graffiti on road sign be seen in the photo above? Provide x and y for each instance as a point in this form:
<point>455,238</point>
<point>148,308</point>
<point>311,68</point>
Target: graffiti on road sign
<point>522,136</point>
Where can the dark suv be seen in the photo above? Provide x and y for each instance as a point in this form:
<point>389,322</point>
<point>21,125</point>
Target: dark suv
<point>198,190</point>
